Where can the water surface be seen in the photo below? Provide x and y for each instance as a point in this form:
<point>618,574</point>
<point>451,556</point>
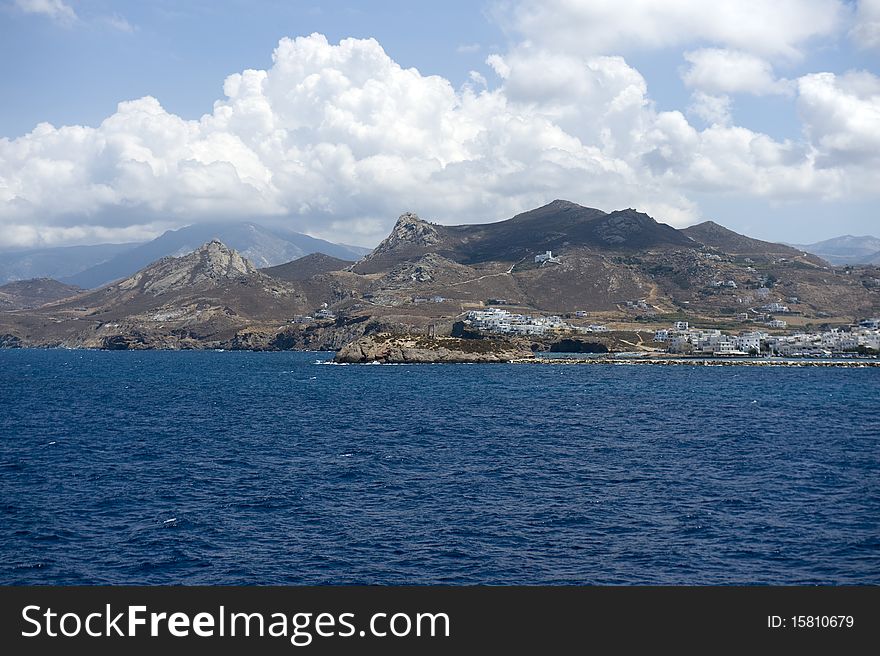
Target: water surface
<point>269,468</point>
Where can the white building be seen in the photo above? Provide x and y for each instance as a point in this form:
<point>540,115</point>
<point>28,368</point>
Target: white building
<point>545,257</point>
<point>748,342</point>
<point>502,321</point>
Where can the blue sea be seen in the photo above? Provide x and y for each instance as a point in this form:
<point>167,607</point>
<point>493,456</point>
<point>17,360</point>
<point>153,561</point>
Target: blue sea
<point>280,468</point>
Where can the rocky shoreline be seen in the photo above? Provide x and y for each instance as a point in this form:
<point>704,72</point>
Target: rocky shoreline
<point>389,348</point>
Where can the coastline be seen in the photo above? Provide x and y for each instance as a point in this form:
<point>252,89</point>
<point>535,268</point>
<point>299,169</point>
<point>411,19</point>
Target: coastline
<point>426,356</point>
<point>853,363</point>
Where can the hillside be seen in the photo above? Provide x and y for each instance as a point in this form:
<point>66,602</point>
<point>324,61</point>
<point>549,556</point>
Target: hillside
<point>715,236</point>
<point>622,268</point>
<point>558,225</point>
<point>305,267</point>
<point>205,296</point>
<point>24,294</point>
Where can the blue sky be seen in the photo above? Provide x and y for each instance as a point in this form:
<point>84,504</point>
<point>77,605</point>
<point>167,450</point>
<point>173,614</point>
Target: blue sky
<point>762,116</point>
<point>180,52</point>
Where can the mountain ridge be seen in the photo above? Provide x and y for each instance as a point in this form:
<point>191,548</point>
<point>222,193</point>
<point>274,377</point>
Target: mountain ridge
<point>846,249</point>
<point>620,267</point>
<point>264,246</point>
<point>555,225</point>
<point>726,240</point>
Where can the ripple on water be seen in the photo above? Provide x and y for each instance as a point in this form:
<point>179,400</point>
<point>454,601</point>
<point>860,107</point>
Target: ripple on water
<point>265,468</point>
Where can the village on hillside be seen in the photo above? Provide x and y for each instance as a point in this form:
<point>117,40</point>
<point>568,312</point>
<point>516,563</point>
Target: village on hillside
<point>682,339</point>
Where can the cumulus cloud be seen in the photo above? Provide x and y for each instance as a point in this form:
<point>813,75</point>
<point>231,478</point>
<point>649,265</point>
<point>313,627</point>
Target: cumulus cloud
<point>721,71</point>
<point>337,140</point>
<point>842,117</point>
<point>778,28</point>
<point>57,10</point>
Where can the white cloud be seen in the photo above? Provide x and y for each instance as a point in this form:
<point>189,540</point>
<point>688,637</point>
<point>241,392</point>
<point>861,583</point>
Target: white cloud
<point>842,117</point>
<point>337,140</point>
<point>866,31</point>
<point>57,10</point>
<point>721,71</point>
<point>778,28</point>
<point>478,78</point>
<point>25,236</point>
<point>496,63</point>
<point>711,109</point>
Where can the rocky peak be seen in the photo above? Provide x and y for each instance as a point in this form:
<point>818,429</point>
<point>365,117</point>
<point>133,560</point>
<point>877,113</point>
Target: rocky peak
<point>209,264</point>
<point>409,231</point>
<point>618,226</point>
<point>560,204</point>
<point>413,230</point>
<point>219,261</point>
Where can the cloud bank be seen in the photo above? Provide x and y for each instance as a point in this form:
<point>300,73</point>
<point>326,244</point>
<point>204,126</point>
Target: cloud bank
<point>338,139</point>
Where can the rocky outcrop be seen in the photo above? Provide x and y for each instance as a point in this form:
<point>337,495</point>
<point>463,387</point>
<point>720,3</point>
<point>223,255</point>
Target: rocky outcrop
<point>570,345</point>
<point>10,341</point>
<point>209,264</point>
<point>410,238</point>
<point>409,229</point>
<point>388,348</point>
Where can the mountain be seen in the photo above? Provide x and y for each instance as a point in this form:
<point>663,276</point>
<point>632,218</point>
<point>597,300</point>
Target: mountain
<point>560,224</point>
<point>24,294</point>
<point>57,263</point>
<point>305,267</point>
<point>847,250</point>
<point>716,236</point>
<point>619,268</point>
<point>263,246</point>
<point>202,297</point>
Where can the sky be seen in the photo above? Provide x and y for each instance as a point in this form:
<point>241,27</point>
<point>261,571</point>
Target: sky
<point>122,119</point>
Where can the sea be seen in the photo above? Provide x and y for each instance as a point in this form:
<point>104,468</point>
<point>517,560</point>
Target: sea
<point>283,468</point>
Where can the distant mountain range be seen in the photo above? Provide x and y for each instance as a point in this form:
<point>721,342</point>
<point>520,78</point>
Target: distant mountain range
<point>92,266</point>
<point>846,250</point>
<point>620,266</point>
<point>550,227</point>
<point>262,246</point>
<point>58,263</point>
